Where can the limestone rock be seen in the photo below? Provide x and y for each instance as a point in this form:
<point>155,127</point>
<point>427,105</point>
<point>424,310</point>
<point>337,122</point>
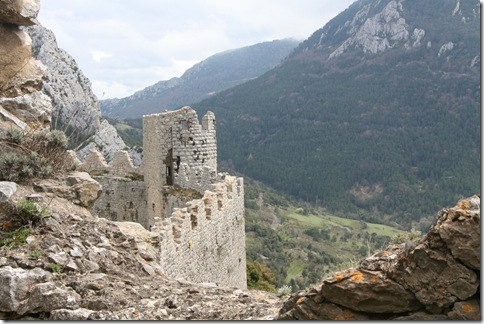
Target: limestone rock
<point>432,279</point>
<point>87,189</point>
<point>433,270</point>
<point>15,285</point>
<point>469,310</point>
<point>20,73</point>
<point>454,229</point>
<point>7,189</point>
<point>78,187</point>
<point>19,12</point>
<point>75,104</point>
<point>35,109</point>
<point>46,297</point>
<point>368,291</point>
<point>106,140</point>
<point>22,105</point>
<point>69,89</point>
<point>378,32</point>
<point>80,314</point>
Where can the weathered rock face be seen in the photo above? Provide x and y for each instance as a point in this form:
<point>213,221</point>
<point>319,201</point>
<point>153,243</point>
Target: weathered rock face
<point>19,12</point>
<point>22,104</point>
<point>76,267</point>
<point>75,104</point>
<point>435,278</point>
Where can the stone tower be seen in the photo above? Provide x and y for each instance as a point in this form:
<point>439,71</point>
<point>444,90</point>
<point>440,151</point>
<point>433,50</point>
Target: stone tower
<point>177,151</point>
<point>177,193</point>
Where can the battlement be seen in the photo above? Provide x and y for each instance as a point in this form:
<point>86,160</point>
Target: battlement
<point>177,193</point>
<point>121,166</point>
<point>209,231</point>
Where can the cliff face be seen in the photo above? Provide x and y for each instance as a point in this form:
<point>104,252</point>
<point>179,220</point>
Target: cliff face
<point>436,278</point>
<point>22,104</point>
<point>76,108</point>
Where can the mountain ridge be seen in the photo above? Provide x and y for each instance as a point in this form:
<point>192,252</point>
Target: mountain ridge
<point>392,122</point>
<point>214,74</point>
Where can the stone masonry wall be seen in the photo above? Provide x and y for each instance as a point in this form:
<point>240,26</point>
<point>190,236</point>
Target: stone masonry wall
<point>178,151</point>
<point>122,199</point>
<point>177,193</point>
<point>205,242</point>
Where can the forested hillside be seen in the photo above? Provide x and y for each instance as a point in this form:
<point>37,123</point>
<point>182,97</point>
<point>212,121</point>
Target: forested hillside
<point>376,116</point>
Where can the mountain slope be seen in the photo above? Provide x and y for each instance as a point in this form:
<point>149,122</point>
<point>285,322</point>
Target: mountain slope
<point>375,116</point>
<point>217,73</point>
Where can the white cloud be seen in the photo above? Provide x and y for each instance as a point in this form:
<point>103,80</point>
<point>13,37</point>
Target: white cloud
<point>124,46</point>
<point>98,55</point>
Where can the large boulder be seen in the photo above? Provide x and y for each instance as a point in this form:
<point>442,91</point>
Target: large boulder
<point>19,73</point>
<point>435,278</point>
<point>77,187</point>
<point>19,12</point>
<point>7,189</point>
<point>15,285</point>
<point>22,104</point>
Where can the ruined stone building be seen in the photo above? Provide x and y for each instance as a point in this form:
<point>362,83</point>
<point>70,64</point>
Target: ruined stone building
<point>178,193</point>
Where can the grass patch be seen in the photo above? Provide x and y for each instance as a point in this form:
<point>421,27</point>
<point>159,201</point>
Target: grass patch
<point>295,269</point>
<point>15,238</point>
<point>324,221</point>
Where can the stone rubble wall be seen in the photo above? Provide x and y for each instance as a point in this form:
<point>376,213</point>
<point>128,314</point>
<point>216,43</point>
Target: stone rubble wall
<point>198,178</point>
<point>121,166</point>
<point>122,200</point>
<point>205,241</point>
<point>176,151</point>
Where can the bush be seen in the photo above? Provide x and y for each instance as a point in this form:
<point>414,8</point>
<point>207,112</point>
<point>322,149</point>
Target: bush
<point>30,213</point>
<point>33,155</point>
<point>260,277</point>
<point>15,238</point>
<point>413,235</point>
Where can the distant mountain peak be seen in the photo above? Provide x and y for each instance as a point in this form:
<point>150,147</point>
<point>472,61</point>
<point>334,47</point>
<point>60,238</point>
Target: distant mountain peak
<point>378,32</point>
<point>375,26</point>
<point>214,74</point>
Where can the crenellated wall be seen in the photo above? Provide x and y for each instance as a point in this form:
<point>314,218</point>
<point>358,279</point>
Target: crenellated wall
<point>205,241</point>
<point>177,193</point>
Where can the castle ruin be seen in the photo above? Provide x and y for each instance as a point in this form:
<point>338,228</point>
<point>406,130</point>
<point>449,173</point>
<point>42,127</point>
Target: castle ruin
<point>178,193</point>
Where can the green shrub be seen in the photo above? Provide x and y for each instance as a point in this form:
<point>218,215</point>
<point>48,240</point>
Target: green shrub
<point>33,155</point>
<point>30,213</point>
<point>284,290</point>
<point>35,254</point>
<point>413,235</point>
<point>14,136</point>
<point>260,277</point>
<point>55,267</point>
<point>14,238</point>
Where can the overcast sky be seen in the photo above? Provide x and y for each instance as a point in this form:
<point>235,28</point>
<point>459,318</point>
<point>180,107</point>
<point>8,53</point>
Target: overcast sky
<point>123,46</point>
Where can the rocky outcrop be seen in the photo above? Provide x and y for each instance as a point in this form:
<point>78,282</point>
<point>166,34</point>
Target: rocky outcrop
<point>76,107</point>
<point>22,104</point>
<point>40,82</point>
<point>7,189</point>
<point>20,13</point>
<point>75,266</point>
<point>435,278</point>
<point>379,32</point>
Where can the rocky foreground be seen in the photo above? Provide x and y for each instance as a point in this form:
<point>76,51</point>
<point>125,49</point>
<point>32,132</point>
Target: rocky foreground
<point>75,266</point>
<point>436,278</point>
